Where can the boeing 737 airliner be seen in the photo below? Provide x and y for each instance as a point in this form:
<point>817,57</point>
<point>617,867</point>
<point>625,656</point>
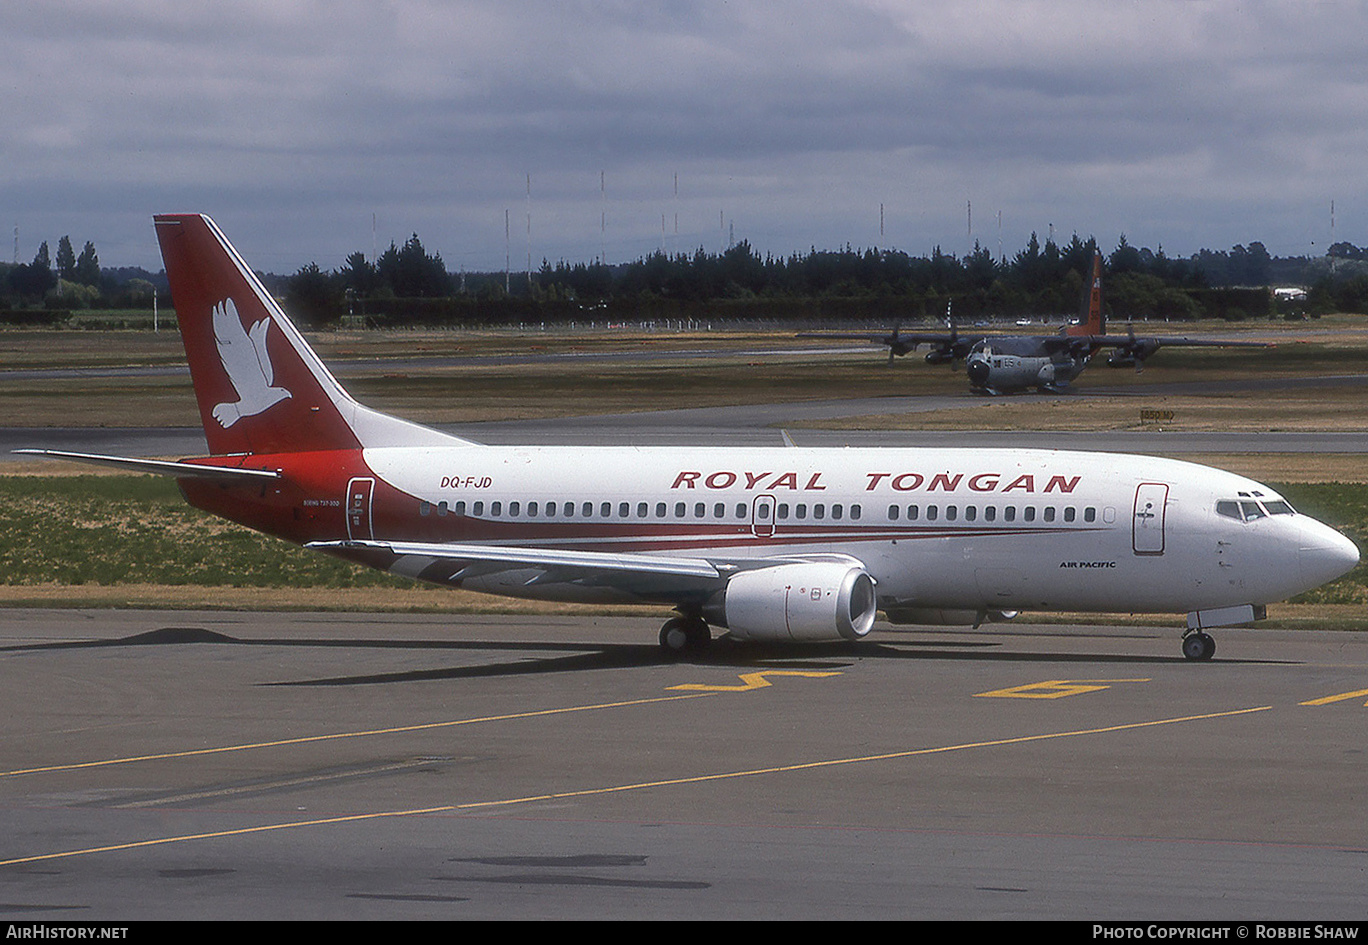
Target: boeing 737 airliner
<point>781,544</point>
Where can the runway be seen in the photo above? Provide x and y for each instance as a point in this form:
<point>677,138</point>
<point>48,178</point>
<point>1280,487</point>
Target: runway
<point>742,425</point>
<point>161,765</point>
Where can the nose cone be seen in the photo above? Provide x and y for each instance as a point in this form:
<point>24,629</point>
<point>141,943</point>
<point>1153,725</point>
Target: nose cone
<point>1323,554</point>
<point>977,370</point>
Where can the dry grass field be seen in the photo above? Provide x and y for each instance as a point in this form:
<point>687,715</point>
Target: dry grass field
<point>452,376</point>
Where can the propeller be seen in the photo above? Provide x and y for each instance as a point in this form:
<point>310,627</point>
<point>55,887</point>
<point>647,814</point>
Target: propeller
<point>1133,352</point>
<point>896,346</point>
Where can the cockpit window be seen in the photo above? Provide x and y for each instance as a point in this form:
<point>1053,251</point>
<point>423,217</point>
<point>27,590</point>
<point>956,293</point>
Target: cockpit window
<point>1251,510</point>
<point>1247,510</point>
<point>1229,510</point>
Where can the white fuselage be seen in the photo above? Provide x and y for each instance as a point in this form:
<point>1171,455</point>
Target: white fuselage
<point>936,528</point>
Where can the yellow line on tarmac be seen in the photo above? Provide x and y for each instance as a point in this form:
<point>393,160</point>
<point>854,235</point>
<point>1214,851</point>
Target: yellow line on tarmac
<point>1327,700</point>
<point>642,785</point>
<point>306,739</point>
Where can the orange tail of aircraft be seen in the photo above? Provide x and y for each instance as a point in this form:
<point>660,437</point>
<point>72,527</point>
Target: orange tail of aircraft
<point>1093,322</point>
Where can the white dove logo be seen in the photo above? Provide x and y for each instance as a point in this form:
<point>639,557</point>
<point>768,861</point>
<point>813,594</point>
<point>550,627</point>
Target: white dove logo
<point>247,364</point>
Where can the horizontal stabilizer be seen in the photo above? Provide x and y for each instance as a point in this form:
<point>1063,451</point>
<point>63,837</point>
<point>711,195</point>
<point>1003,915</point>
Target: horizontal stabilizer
<point>161,467</point>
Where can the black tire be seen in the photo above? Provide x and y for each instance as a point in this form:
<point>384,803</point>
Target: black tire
<point>1199,646</point>
<point>684,636</point>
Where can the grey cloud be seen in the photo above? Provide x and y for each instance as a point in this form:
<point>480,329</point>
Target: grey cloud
<point>1191,123</point>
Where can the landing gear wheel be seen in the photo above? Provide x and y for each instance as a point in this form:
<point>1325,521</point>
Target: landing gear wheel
<point>683,636</point>
<point>1199,646</point>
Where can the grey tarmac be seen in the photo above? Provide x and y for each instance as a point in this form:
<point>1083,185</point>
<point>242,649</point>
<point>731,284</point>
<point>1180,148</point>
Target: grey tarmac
<point>206,765</point>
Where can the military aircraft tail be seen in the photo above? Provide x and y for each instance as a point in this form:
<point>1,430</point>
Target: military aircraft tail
<point>1091,321</point>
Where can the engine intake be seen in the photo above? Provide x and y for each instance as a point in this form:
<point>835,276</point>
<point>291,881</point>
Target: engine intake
<point>810,601</point>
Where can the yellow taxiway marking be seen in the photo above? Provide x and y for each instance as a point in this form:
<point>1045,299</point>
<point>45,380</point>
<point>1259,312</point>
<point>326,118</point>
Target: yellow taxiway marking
<point>334,736</point>
<point>751,681</point>
<point>1342,697</point>
<point>1054,689</point>
<point>638,786</point>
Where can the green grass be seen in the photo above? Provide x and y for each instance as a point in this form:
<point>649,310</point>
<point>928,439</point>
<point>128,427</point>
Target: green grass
<point>1344,506</point>
<point>112,530</point>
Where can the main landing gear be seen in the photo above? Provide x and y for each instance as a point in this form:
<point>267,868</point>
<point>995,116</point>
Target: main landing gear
<point>1198,645</point>
<point>685,636</point>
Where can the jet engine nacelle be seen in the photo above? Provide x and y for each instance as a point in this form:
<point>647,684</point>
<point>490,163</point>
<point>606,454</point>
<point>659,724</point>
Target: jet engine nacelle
<point>817,600</point>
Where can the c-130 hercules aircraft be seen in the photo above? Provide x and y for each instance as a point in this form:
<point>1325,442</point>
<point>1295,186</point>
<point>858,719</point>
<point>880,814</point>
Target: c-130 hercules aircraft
<point>1005,364</point>
<point>774,544</point>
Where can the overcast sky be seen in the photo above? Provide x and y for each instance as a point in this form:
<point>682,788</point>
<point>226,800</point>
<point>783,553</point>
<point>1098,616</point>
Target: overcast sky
<point>789,123</point>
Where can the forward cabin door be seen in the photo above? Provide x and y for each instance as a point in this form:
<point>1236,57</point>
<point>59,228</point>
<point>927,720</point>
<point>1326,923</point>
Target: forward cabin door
<point>762,516</point>
<point>1147,521</point>
<point>359,493</point>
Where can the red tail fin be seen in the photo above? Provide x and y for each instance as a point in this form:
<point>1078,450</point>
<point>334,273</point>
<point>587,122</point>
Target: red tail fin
<point>1094,322</point>
<point>260,387</point>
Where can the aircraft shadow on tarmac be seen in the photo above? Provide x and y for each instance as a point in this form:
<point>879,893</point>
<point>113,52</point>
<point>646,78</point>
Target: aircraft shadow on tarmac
<point>583,657</point>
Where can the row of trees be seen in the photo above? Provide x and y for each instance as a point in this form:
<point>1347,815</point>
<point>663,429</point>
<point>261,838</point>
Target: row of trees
<point>407,283</point>
<point>1042,279</point>
<point>72,281</point>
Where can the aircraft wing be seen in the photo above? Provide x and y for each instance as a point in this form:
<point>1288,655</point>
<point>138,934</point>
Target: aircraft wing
<point>1123,341</point>
<point>884,337</point>
<point>512,557</point>
<point>902,342</point>
<point>658,577</point>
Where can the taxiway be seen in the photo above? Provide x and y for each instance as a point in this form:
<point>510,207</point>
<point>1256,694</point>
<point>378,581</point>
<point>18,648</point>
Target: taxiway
<point>160,765</point>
